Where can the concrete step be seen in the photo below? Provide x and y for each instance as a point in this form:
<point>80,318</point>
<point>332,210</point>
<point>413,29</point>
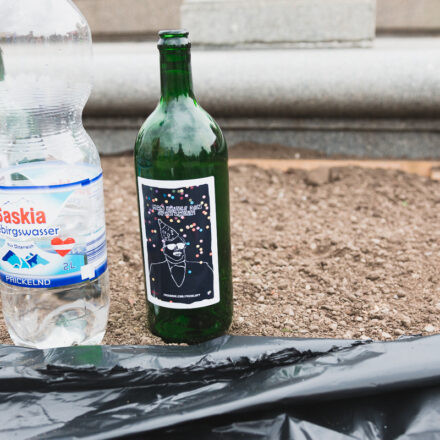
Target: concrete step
<point>397,77</point>
<point>379,102</point>
<point>289,22</point>
<point>353,137</point>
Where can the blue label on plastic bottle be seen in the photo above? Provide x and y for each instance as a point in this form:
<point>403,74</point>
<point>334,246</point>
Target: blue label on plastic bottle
<point>52,236</point>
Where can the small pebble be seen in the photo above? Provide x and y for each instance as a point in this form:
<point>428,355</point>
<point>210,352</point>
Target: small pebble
<point>386,335</point>
<point>429,328</point>
<point>406,321</point>
<point>318,176</point>
<point>308,287</point>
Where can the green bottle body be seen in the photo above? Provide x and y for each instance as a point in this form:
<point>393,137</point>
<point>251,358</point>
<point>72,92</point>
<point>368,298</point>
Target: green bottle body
<point>181,143</point>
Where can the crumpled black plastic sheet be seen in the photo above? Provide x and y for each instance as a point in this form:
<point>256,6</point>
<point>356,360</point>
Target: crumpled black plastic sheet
<point>229,388</point>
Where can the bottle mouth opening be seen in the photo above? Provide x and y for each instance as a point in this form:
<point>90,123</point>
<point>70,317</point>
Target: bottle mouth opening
<point>173,33</point>
<point>174,38</point>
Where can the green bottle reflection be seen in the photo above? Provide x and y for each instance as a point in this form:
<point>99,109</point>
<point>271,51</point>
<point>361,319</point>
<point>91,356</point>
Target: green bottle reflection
<point>2,67</point>
<point>181,152</point>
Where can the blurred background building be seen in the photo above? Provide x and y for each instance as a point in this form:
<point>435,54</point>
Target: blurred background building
<point>139,19</point>
<point>356,77</point>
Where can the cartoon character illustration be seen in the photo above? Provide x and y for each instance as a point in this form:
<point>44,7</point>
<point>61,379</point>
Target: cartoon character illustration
<point>177,279</point>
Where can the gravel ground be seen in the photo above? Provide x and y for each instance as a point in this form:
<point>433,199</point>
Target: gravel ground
<point>344,252</point>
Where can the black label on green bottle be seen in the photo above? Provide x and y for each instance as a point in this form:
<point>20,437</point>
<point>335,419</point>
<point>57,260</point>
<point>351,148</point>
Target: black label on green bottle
<point>179,237</point>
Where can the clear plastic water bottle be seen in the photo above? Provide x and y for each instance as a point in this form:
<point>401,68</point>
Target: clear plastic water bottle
<point>53,256</point>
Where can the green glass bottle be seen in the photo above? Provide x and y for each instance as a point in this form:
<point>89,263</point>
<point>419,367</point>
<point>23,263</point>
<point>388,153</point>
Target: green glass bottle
<point>181,162</point>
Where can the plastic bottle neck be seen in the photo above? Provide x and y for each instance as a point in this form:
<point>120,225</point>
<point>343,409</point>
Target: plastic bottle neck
<point>175,73</point>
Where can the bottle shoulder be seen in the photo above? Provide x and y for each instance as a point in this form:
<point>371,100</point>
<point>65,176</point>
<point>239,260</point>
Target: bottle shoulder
<point>181,125</point>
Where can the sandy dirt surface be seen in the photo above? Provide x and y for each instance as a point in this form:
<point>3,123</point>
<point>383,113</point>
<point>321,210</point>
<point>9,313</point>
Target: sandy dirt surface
<point>345,252</point>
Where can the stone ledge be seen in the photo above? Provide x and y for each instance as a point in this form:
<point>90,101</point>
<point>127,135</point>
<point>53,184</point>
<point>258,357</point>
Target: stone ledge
<point>398,77</point>
<point>374,138</point>
<point>238,22</point>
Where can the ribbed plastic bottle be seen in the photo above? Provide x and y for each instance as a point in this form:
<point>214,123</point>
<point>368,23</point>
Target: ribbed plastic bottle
<point>53,256</point>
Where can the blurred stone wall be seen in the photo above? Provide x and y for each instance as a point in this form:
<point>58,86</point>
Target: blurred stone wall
<point>408,15</point>
<point>119,19</point>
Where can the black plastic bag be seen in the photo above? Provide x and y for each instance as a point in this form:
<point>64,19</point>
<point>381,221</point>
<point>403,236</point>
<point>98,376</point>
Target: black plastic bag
<point>229,388</point>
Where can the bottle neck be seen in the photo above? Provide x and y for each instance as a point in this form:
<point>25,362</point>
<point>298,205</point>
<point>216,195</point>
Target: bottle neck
<point>175,73</point>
